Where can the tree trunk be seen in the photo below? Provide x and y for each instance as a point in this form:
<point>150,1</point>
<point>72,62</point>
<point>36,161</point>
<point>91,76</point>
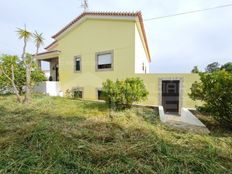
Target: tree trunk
<point>37,50</point>
<point>27,64</point>
<point>24,50</point>
<point>14,86</point>
<point>27,98</point>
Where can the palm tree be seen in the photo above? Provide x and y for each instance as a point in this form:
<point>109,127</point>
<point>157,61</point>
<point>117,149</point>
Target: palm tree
<point>25,35</point>
<point>39,40</point>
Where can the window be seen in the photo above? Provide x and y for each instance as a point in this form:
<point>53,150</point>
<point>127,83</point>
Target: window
<point>143,67</point>
<point>78,93</point>
<point>100,95</point>
<point>104,60</point>
<point>77,64</point>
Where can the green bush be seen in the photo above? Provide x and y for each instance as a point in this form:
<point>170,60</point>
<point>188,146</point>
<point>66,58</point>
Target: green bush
<point>121,95</point>
<point>215,91</point>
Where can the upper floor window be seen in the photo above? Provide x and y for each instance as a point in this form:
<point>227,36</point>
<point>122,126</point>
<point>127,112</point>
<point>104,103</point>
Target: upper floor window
<point>77,64</point>
<point>104,60</point>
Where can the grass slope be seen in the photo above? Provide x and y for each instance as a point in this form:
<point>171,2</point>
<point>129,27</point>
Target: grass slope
<point>56,135</point>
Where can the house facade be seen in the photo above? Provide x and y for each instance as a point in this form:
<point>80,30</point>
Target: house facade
<point>95,47</point>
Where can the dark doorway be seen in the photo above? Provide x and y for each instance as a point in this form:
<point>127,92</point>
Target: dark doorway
<point>170,96</point>
<point>57,73</point>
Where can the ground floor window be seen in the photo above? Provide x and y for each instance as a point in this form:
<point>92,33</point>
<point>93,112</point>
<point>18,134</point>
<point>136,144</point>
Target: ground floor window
<point>78,93</point>
<point>100,95</point>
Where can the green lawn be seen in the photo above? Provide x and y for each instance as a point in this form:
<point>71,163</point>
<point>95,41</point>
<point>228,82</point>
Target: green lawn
<point>57,135</point>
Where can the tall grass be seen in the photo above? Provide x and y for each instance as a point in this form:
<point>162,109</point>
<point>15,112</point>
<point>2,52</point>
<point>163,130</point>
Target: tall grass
<point>57,135</point>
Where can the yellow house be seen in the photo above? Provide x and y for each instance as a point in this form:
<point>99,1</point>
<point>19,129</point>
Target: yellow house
<point>97,46</point>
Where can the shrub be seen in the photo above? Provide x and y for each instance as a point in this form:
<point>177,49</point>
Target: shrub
<point>215,91</point>
<point>121,95</point>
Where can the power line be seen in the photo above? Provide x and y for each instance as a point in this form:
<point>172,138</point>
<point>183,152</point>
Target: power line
<point>188,12</point>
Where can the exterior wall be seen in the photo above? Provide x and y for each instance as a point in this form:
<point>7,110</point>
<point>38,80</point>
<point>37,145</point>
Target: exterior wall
<point>154,87</point>
<point>50,88</point>
<point>121,37</point>
<point>86,40</point>
<point>140,54</point>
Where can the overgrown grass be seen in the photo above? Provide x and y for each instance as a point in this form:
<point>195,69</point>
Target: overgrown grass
<point>57,135</point>
<point>216,128</point>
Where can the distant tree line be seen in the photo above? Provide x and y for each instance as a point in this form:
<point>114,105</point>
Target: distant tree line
<point>215,66</point>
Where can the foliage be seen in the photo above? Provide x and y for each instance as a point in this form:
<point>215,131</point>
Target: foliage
<point>227,67</point>
<point>195,69</point>
<point>58,135</point>
<point>212,67</point>
<point>38,39</point>
<point>23,34</point>
<point>215,91</point>
<point>7,61</point>
<point>122,94</point>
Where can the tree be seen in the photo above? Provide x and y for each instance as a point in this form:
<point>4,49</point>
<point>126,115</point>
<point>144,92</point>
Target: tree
<point>121,95</point>
<point>16,79</point>
<point>212,67</point>
<point>215,91</point>
<point>195,69</point>
<point>25,35</point>
<point>27,60</point>
<point>227,67</point>
<point>39,40</point>
<point>8,66</point>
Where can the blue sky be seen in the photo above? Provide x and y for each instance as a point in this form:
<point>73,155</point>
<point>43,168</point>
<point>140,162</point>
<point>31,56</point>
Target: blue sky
<point>176,44</point>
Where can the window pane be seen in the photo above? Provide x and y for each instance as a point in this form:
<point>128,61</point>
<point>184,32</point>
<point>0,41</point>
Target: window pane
<point>78,94</point>
<point>100,95</point>
<point>78,65</point>
<point>104,59</point>
<point>104,66</point>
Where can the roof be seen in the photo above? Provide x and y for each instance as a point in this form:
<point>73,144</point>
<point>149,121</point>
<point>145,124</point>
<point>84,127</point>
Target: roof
<point>51,44</point>
<point>126,14</point>
<point>47,52</point>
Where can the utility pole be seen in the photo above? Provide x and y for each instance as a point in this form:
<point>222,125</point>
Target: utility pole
<point>85,5</point>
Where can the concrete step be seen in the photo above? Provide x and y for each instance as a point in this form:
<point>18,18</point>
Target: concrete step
<point>185,127</point>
